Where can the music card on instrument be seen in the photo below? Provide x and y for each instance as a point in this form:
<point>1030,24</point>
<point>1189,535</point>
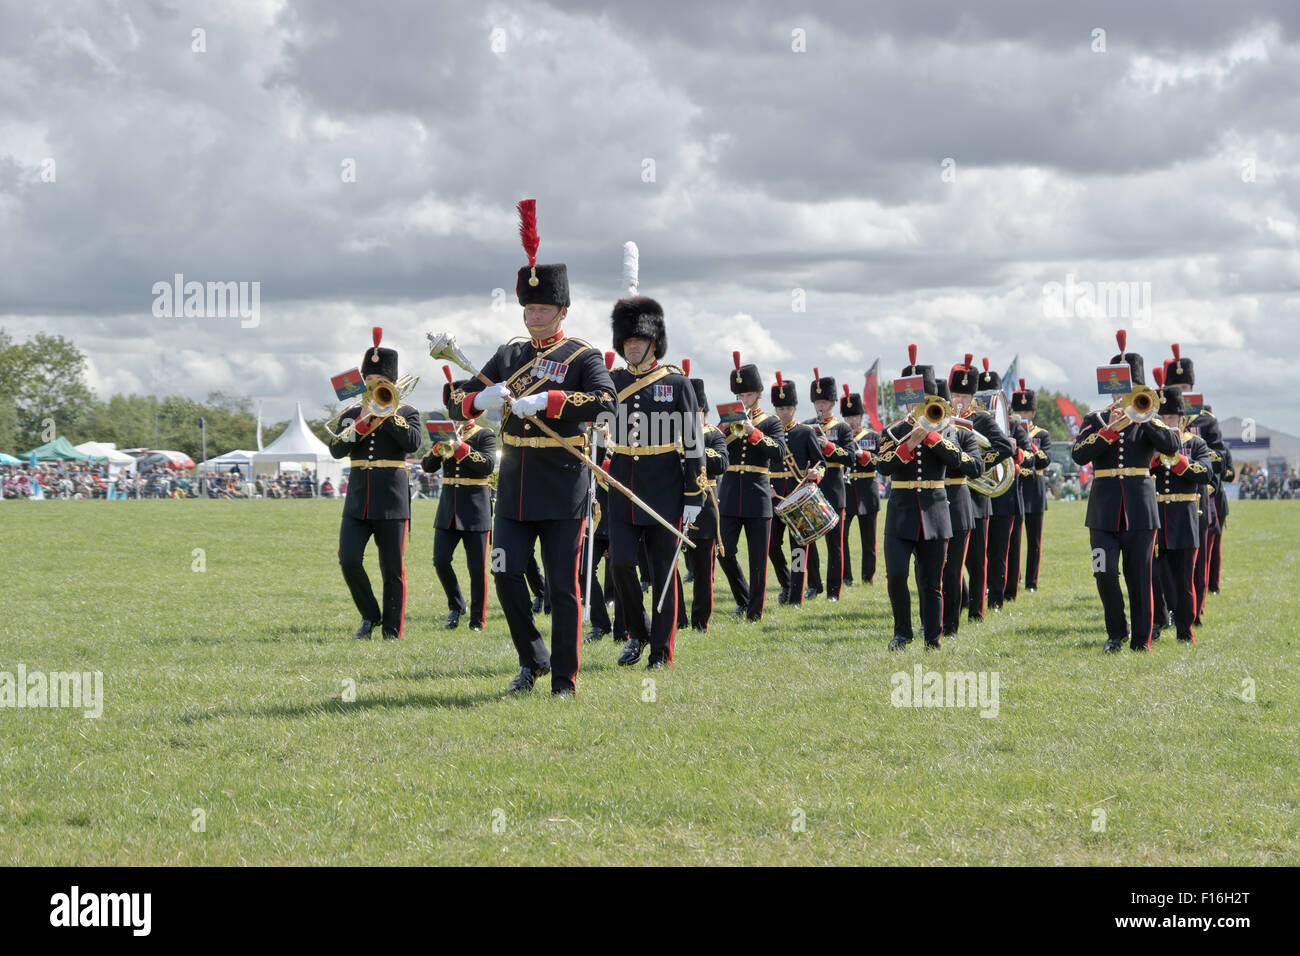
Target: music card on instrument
<point>869,444</point>
<point>730,412</point>
<point>1193,403</point>
<point>439,428</point>
<point>910,390</point>
<point>348,385</point>
<point>1114,379</point>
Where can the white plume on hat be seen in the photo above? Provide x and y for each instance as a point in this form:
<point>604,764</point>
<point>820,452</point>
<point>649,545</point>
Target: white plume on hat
<point>631,267</point>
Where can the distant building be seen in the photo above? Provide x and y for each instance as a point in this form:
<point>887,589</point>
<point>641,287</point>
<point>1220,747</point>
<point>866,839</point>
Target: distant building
<point>1265,444</point>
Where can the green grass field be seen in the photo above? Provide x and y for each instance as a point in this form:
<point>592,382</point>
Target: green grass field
<point>768,743</point>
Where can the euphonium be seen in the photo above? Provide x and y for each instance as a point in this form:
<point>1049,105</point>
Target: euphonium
<point>995,481</point>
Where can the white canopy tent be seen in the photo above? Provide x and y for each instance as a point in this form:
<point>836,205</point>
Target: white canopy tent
<point>298,444</point>
<point>221,465</point>
<point>117,461</point>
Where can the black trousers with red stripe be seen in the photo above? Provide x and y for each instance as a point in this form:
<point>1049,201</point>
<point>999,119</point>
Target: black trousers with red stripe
<point>1033,547</point>
<point>1216,556</point>
<point>953,563</point>
<point>702,561</point>
<point>625,550</point>
<point>1012,588</point>
<point>977,568</point>
<point>867,538</point>
<point>1177,590</point>
<point>750,593</point>
<point>390,541</point>
<point>476,551</point>
<point>835,560</point>
<point>512,545</point>
<point>1136,548</point>
<point>929,583</point>
<point>999,545</point>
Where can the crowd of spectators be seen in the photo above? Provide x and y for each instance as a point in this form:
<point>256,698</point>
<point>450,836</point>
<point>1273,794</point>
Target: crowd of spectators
<point>1259,482</point>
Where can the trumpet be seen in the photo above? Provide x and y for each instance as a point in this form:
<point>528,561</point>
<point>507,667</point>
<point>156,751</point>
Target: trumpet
<point>1140,405</point>
<point>736,429</point>
<point>443,449</point>
<point>380,392</point>
<point>934,413</point>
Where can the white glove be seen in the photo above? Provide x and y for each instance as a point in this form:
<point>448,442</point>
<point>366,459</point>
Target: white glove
<point>493,396</point>
<point>530,404</point>
<point>689,514</point>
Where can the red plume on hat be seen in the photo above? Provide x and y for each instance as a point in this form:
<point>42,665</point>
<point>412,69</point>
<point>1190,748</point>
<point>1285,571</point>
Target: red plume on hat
<point>446,370</point>
<point>817,374</point>
<point>735,357</point>
<point>846,389</point>
<point>1178,356</point>
<point>528,234</point>
<point>970,357</point>
<point>686,366</point>
<point>377,334</point>
<point>1159,375</point>
<point>911,355</point>
<point>1022,386</point>
<point>1122,338</point>
<point>609,361</point>
<point>779,379</point>
<point>986,363</point>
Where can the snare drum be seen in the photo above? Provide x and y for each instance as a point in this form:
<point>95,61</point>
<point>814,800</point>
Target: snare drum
<point>807,513</point>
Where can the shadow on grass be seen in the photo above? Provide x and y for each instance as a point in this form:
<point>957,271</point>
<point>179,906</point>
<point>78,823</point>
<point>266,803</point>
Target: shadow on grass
<point>344,708</point>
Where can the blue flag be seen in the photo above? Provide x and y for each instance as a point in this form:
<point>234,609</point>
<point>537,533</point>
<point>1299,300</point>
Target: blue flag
<point>1009,379</point>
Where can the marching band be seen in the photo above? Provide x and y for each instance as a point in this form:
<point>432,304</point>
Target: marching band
<point>587,468</point>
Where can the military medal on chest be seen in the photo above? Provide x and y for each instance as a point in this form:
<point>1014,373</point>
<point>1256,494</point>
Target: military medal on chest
<point>546,369</point>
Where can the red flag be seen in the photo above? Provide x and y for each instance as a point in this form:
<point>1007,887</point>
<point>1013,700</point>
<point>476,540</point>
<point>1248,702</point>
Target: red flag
<point>871,394</point>
<point>1073,420</point>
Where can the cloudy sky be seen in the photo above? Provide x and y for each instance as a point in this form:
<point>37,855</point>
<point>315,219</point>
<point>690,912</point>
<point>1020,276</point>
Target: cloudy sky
<point>910,172</point>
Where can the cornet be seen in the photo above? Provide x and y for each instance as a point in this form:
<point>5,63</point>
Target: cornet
<point>380,392</point>
<point>736,429</point>
<point>1140,405</point>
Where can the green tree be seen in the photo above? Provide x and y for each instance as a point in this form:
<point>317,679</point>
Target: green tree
<point>48,377</point>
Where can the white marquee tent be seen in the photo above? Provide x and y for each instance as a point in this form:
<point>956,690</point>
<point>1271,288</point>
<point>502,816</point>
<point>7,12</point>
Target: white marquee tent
<point>298,444</point>
<point>221,465</point>
<point>117,461</point>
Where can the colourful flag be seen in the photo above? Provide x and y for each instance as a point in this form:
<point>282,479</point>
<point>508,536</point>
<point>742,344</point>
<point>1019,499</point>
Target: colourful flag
<point>1194,403</point>
<point>729,412</point>
<point>1073,420</point>
<point>1114,379</point>
<point>871,396</point>
<point>439,427</point>
<point>348,384</point>
<point>909,391</point>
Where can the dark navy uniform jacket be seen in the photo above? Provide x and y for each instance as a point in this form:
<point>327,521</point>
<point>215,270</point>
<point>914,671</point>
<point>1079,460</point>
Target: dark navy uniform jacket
<point>1179,520</point>
<point>654,457</point>
<point>380,493</point>
<point>466,500</point>
<point>539,481</point>
<point>839,460</point>
<point>1000,449</point>
<point>961,507</point>
<point>917,513</point>
<point>1124,501</point>
<point>862,496</point>
<point>1009,503</point>
<point>746,489</point>
<point>715,466</point>
<point>804,447</point>
<point>1033,483</point>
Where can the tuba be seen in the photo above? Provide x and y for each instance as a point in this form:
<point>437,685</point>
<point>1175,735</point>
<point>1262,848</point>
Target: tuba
<point>995,481</point>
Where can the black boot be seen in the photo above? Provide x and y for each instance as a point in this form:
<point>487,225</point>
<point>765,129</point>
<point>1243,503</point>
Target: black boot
<point>453,620</point>
<point>363,632</point>
<point>631,653</point>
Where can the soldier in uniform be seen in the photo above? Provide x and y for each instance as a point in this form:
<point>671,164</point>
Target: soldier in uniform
<point>1228,474</point>
<point>963,383</point>
<point>378,500</point>
<point>756,449</point>
<point>1122,516</point>
<point>961,513</point>
<point>916,519</point>
<point>701,560</point>
<point>656,421</point>
<point>1180,373</point>
<point>542,490</point>
<point>841,454</point>
<point>1006,509</point>
<point>1033,488</point>
<point>1179,479</point>
<point>466,461</point>
<point>803,459</point>
<point>862,497</point>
